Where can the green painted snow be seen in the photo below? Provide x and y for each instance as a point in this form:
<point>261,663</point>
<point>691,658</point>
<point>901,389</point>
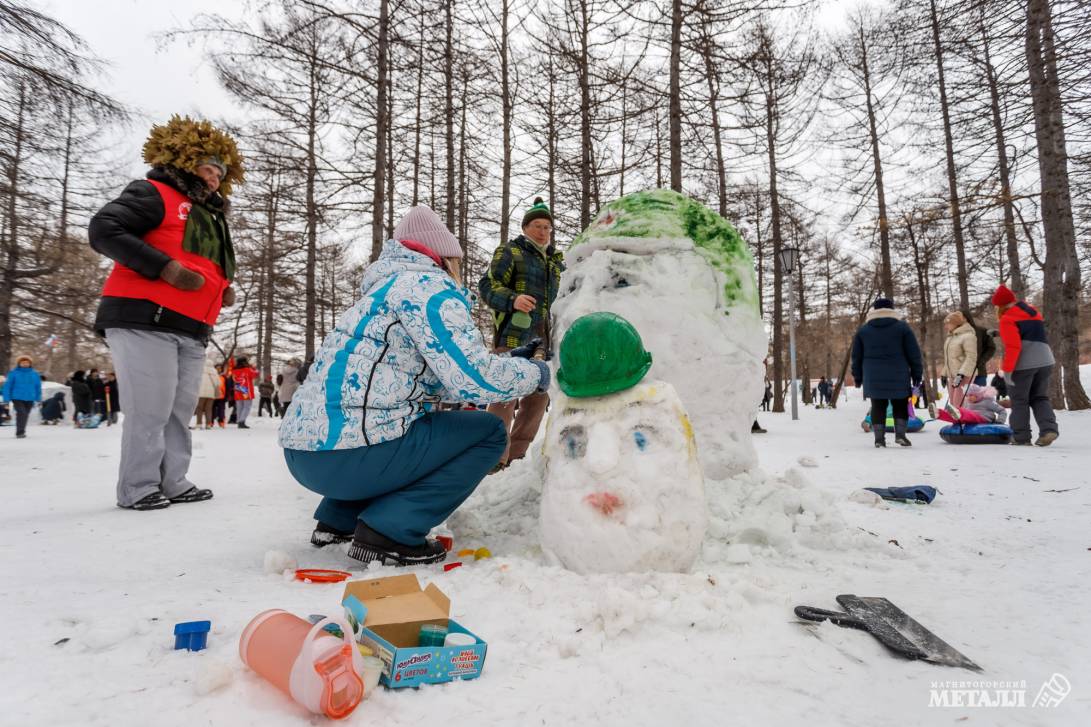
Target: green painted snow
<point>665,213</point>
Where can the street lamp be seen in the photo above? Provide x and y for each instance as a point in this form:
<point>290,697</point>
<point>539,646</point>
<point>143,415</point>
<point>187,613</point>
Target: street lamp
<point>789,256</point>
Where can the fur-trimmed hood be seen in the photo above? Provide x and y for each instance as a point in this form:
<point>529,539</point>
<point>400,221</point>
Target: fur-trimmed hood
<point>880,313</point>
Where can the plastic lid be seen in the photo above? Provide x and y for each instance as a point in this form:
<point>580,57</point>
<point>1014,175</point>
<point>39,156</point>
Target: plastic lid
<point>319,575</point>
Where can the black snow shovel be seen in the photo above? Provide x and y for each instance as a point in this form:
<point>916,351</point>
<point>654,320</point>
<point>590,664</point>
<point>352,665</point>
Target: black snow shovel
<point>893,627</point>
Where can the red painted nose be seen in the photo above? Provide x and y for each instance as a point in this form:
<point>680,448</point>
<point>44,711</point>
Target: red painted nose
<point>604,502</point>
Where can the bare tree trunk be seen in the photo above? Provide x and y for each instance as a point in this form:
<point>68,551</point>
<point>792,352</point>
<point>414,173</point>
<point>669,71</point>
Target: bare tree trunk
<point>584,76</point>
<point>886,276</point>
<point>774,208</point>
<point>551,142</point>
<point>1062,269</point>
<point>11,257</point>
<point>378,177</point>
<point>312,209</point>
<point>417,122</point>
<point>389,149</point>
<point>676,96</point>
<point>711,77</point>
<point>449,112</point>
<point>952,179</point>
<point>506,118</point>
<point>1014,264</point>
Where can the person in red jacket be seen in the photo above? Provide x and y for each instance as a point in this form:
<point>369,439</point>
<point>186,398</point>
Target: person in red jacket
<point>173,267</point>
<point>243,376</point>
<point>1026,368</point>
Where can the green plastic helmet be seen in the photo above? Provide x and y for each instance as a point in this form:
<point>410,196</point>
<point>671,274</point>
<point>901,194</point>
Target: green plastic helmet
<point>601,353</point>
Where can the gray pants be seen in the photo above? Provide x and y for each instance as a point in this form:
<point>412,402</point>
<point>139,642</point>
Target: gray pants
<point>242,410</point>
<point>162,373</point>
<point>1030,390</point>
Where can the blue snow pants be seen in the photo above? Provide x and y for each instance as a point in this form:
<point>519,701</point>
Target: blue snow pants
<point>405,487</point>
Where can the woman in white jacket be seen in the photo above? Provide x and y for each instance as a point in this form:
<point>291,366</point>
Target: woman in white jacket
<point>363,430</point>
<point>207,394</point>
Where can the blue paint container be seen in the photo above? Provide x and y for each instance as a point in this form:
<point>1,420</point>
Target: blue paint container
<point>191,635</point>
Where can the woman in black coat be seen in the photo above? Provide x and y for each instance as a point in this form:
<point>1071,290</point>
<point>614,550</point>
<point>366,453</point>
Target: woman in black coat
<point>886,361</point>
<point>81,395</point>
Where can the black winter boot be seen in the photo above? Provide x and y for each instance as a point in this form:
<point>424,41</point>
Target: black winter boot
<point>324,535</point>
<point>879,430</point>
<point>368,545</point>
<point>900,427</point>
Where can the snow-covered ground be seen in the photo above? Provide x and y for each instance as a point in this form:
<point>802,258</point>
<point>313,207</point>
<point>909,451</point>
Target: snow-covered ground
<point>999,566</point>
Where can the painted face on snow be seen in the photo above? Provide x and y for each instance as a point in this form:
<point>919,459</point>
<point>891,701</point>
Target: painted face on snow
<point>623,490</point>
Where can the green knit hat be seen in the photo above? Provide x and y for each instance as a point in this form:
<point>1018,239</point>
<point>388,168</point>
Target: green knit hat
<point>601,353</point>
<point>538,211</point>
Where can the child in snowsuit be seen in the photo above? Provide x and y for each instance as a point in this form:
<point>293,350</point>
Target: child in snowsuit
<point>53,409</point>
<point>982,400</point>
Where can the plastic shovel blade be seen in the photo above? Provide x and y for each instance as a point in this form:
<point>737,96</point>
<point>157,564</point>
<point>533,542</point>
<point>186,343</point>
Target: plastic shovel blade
<point>900,632</point>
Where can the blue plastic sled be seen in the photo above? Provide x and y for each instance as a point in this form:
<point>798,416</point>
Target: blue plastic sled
<point>976,434</point>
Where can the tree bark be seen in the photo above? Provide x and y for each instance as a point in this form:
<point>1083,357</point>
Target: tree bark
<point>676,96</point>
<point>506,118</point>
<point>1012,244</point>
<point>378,181</point>
<point>11,257</point>
<point>584,80</point>
<point>886,274</point>
<point>311,205</point>
<point>952,179</point>
<point>1062,270</point>
<point>449,112</point>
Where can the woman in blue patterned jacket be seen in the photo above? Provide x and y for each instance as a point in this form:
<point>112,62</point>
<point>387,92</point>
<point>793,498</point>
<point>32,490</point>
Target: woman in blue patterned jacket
<point>362,430</point>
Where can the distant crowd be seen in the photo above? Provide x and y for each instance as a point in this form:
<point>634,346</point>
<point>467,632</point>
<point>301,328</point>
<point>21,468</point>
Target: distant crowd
<point>227,393</point>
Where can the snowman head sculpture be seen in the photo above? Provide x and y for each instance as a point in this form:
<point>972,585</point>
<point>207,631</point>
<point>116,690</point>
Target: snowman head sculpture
<point>623,489</point>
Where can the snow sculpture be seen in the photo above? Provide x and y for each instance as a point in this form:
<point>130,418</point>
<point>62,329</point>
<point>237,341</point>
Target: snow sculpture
<point>683,276</point>
<point>623,490</point>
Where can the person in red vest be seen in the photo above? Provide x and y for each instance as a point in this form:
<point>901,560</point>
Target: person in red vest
<point>173,266</point>
<point>1026,368</point>
<point>243,376</point>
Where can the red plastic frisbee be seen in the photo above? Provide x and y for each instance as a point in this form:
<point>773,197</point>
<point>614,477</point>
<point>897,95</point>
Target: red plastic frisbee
<point>319,575</point>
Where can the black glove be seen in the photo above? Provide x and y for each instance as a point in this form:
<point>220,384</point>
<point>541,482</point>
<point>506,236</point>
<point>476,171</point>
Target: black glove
<point>527,350</point>
<point>958,381</point>
<point>543,368</point>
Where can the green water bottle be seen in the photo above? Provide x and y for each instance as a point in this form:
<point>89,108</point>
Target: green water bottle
<point>519,319</point>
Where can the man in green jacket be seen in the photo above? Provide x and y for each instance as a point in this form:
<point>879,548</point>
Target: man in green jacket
<point>520,287</point>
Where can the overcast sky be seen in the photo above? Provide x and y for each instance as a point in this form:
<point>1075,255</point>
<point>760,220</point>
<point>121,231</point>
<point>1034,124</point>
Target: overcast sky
<point>154,79</point>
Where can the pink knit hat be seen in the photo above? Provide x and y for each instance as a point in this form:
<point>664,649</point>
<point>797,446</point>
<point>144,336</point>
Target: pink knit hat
<point>422,225</point>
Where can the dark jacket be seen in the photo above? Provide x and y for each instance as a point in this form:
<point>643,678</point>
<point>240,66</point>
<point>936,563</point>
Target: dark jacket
<point>886,357</point>
<point>54,407</point>
<point>986,345</point>
<point>119,231</point>
<point>81,395</point>
<point>98,388</point>
<point>522,268</point>
<point>115,397</point>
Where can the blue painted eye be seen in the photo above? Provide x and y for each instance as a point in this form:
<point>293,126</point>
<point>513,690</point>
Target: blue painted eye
<point>574,441</point>
<point>640,439</point>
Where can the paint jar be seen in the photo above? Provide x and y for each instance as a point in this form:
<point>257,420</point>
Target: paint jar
<point>457,638</point>
<point>373,669</point>
<point>432,635</point>
<point>314,668</point>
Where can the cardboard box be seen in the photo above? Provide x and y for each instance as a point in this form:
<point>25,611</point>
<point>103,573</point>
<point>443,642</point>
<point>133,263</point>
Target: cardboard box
<point>396,609</point>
